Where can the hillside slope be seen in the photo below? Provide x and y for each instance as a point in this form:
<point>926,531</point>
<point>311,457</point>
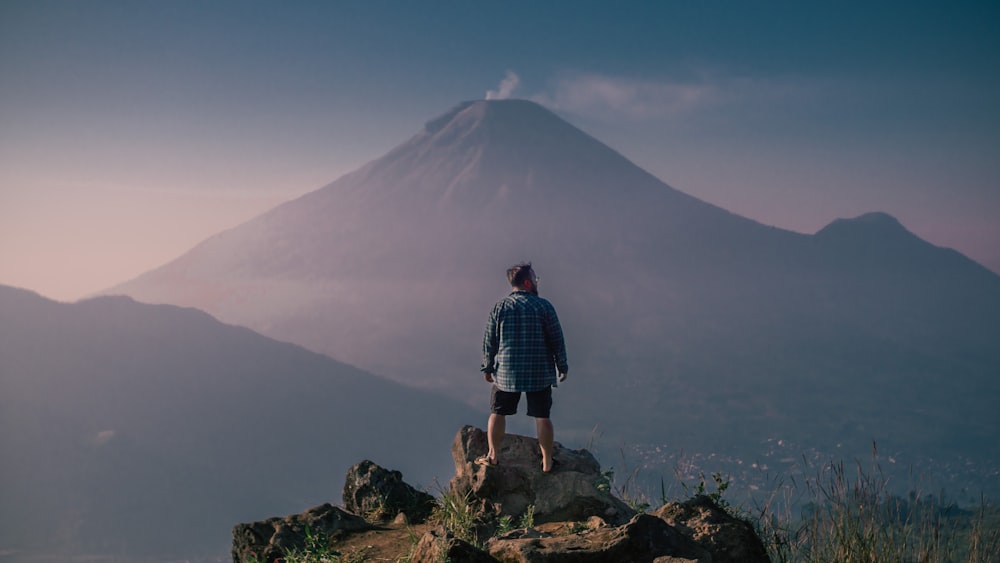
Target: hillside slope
<point>131,429</point>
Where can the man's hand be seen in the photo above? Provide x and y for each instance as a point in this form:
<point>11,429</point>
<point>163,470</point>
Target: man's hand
<point>488,377</point>
<point>562,377</point>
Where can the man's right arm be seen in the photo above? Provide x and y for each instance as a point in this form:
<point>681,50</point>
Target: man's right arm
<point>490,346</point>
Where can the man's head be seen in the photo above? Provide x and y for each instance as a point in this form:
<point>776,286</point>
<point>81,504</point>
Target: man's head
<point>521,276</point>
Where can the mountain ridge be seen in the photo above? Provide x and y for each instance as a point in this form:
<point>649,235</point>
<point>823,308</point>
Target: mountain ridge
<point>135,425</point>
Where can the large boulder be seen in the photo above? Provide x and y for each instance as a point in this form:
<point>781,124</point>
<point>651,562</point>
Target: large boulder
<point>380,494</point>
<point>643,539</point>
<point>728,539</point>
<point>268,540</point>
<point>571,492</point>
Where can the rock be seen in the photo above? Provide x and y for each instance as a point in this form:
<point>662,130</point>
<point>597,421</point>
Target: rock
<point>268,540</point>
<point>439,545</point>
<point>728,539</point>
<point>596,523</point>
<point>644,538</point>
<point>570,493</point>
<point>380,494</point>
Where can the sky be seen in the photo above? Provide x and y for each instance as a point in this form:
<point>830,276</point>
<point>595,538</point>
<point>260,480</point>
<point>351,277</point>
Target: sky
<point>131,130</point>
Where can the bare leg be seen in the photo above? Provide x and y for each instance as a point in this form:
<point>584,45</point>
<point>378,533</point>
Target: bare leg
<point>546,439</point>
<point>495,431</point>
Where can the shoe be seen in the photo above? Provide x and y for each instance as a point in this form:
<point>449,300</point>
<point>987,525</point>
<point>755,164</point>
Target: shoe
<point>485,460</point>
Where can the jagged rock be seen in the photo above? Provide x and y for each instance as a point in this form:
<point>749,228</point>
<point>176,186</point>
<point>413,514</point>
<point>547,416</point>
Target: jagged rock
<point>268,540</point>
<point>440,545</point>
<point>644,538</point>
<point>728,539</point>
<point>380,494</point>
<point>569,493</point>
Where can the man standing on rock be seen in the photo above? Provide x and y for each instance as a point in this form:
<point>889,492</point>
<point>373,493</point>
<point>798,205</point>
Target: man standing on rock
<point>522,349</point>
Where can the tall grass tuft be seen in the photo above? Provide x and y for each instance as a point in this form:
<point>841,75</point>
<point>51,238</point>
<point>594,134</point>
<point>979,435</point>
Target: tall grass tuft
<point>456,513</point>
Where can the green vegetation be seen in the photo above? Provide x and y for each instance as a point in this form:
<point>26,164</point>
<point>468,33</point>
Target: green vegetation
<point>629,491</point>
<point>376,511</point>
<point>505,524</point>
<point>855,518</point>
<point>717,495</point>
<point>456,513</point>
<point>528,518</point>
<point>317,550</point>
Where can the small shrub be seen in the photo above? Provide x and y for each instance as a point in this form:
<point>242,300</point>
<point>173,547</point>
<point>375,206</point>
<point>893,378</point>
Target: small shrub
<point>377,510</point>
<point>504,524</point>
<point>721,485</point>
<point>456,513</point>
<point>603,483</point>
<point>528,518</point>
<point>318,550</point>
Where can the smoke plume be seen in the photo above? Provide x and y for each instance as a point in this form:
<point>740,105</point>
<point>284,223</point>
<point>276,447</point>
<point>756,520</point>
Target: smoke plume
<point>507,87</point>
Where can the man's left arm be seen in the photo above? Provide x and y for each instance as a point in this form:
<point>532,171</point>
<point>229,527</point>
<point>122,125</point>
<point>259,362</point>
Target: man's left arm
<point>555,342</point>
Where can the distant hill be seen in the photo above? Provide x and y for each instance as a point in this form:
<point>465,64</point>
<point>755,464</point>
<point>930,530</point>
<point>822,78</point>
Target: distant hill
<point>130,429</point>
<point>686,325</point>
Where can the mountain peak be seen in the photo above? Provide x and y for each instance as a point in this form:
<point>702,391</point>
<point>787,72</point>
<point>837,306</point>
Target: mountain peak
<point>507,122</point>
<point>877,238</point>
<point>877,224</point>
<point>878,219</point>
<point>482,111</point>
<point>497,153</point>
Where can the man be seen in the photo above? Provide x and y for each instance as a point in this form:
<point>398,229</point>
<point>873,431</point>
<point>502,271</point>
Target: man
<point>522,349</point>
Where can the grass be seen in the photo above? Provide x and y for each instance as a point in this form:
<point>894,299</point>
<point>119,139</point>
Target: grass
<point>317,550</point>
<point>456,513</point>
<point>849,514</point>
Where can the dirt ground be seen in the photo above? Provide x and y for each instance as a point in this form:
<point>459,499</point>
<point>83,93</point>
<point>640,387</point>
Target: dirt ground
<point>389,542</point>
<point>395,542</point>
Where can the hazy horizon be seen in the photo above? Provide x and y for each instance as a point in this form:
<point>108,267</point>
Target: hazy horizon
<point>134,130</point>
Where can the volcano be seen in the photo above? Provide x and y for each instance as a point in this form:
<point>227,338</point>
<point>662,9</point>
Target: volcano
<point>685,323</point>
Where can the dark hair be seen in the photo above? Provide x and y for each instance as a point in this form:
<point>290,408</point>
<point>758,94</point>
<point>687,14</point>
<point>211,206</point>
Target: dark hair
<point>519,274</point>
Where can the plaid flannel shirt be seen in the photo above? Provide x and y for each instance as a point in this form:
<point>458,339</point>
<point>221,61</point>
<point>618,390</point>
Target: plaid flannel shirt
<point>523,345</point>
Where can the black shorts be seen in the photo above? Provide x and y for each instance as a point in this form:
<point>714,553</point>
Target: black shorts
<point>505,402</point>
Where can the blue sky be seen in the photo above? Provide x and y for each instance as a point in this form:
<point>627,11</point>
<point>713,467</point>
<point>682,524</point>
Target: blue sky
<point>131,130</point>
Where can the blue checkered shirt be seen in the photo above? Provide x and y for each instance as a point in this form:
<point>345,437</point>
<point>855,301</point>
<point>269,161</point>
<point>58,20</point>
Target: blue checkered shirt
<point>523,345</point>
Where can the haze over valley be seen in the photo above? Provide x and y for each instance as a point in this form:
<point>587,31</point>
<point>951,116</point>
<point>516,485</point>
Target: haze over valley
<point>672,307</point>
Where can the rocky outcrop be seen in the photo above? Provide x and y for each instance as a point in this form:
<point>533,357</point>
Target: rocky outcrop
<point>380,495</point>
<point>571,492</point>
<point>644,538</point>
<point>268,540</point>
<point>728,539</point>
<point>575,519</point>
